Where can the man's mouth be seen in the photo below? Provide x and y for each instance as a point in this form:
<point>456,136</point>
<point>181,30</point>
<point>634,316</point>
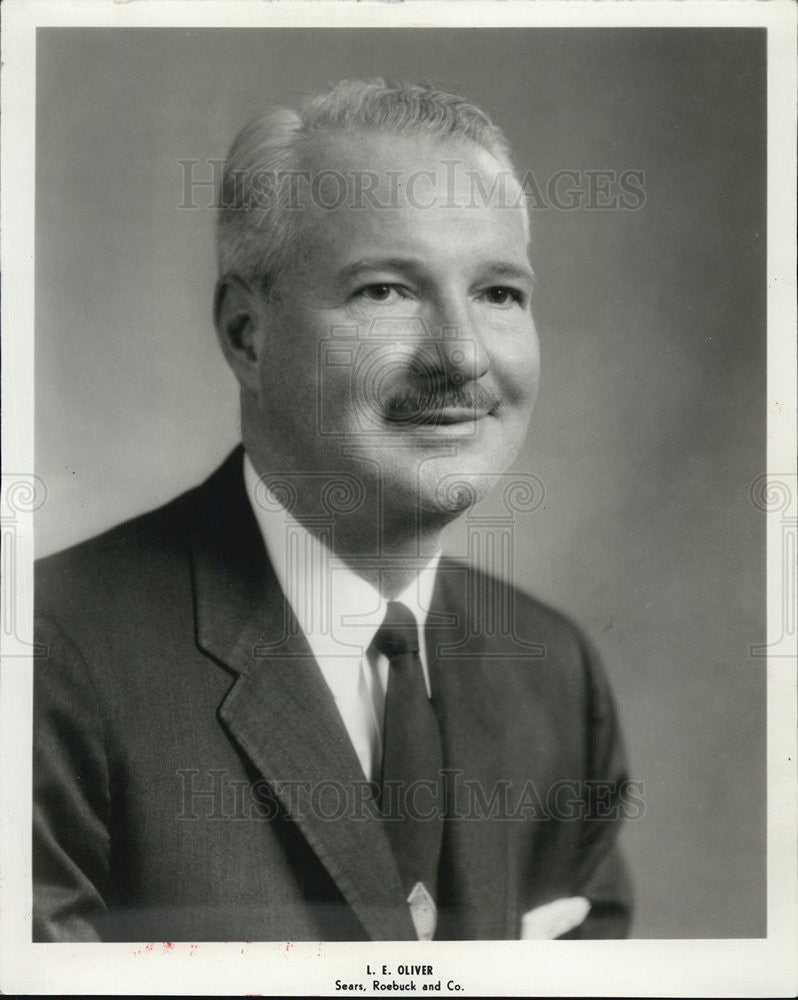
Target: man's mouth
<point>452,415</point>
<point>433,408</point>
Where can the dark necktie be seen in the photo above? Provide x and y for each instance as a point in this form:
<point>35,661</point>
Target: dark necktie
<point>411,796</point>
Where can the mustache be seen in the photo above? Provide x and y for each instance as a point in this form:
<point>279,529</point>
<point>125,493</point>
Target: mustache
<point>425,401</point>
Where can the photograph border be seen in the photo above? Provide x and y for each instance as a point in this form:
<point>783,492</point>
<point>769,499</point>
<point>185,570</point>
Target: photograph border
<point>717,967</point>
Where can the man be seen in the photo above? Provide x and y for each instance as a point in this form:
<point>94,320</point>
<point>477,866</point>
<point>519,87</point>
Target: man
<point>270,710</point>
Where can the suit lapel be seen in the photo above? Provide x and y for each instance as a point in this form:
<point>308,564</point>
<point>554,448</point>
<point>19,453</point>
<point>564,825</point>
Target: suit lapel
<point>279,710</point>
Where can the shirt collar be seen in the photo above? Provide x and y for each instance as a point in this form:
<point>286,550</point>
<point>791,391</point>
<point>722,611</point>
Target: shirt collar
<point>338,611</point>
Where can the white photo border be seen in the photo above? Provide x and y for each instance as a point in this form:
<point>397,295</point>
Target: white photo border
<point>749,967</point>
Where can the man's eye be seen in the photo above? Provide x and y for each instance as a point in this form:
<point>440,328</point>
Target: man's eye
<point>379,292</point>
<point>501,295</point>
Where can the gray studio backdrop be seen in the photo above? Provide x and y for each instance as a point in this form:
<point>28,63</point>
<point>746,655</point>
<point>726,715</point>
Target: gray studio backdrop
<point>650,425</point>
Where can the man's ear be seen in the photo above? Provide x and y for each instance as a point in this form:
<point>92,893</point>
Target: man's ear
<point>239,314</point>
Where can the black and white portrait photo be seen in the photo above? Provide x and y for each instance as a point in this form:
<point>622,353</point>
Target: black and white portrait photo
<point>398,514</point>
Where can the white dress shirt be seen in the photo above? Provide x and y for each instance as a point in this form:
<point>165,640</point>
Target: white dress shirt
<point>339,612</point>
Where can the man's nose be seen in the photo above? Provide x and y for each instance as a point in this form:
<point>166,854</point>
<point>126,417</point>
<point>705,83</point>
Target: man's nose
<point>458,342</point>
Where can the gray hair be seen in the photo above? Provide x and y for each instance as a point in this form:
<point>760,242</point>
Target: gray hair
<point>255,223</point>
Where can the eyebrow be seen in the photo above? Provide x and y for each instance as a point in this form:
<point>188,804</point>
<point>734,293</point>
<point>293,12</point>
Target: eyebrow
<point>500,269</point>
<point>377,264</point>
<point>497,269</point>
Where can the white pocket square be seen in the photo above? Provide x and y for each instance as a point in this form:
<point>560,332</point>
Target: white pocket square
<point>553,919</point>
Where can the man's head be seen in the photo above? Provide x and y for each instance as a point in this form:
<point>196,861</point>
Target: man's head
<point>374,295</point>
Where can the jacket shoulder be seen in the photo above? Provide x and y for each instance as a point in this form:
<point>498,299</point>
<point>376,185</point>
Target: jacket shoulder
<point>516,617</point>
<point>126,549</point>
<point>130,562</point>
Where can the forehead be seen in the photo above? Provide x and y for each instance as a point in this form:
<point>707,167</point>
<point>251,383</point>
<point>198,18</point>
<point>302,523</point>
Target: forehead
<point>377,188</point>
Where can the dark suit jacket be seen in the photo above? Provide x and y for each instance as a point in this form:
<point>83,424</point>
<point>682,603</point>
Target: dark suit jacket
<point>189,760</point>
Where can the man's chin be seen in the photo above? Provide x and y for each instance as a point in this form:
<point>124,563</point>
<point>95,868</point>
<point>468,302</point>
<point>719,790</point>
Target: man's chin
<point>454,493</point>
<point>439,486</point>
<point>459,492</point>
<point>452,484</point>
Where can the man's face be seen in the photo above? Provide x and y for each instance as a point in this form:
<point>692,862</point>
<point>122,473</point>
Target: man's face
<point>400,347</point>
